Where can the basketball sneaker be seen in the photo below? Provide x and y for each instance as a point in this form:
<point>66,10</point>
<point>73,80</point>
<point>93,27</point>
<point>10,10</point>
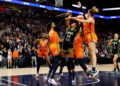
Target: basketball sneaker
<point>37,75</point>
<point>114,72</point>
<point>45,77</point>
<point>119,72</point>
<point>59,76</point>
<point>74,81</point>
<point>93,73</point>
<point>52,81</point>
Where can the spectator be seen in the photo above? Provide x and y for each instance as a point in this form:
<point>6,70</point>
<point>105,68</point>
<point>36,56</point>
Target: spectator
<point>20,58</point>
<point>1,58</point>
<point>20,46</point>
<point>4,64</point>
<point>25,54</point>
<point>15,58</point>
<point>9,58</point>
<point>33,54</point>
<point>29,54</point>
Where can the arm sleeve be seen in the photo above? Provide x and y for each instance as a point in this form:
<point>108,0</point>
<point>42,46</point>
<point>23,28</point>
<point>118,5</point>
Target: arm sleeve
<point>83,13</point>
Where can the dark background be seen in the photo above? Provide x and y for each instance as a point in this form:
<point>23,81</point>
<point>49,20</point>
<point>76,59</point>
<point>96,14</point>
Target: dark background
<point>87,3</point>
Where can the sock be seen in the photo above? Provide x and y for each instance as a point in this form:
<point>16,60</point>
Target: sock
<point>73,75</point>
<point>49,66</point>
<point>70,74</point>
<point>60,71</point>
<point>93,68</point>
<point>114,69</point>
<point>87,72</point>
<point>62,64</point>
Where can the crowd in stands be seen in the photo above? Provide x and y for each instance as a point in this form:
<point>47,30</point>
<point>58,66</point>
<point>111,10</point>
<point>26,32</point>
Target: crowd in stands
<point>19,32</point>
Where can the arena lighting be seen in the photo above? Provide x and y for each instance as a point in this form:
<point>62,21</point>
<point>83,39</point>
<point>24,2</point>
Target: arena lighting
<point>111,9</point>
<point>74,5</point>
<point>57,9</point>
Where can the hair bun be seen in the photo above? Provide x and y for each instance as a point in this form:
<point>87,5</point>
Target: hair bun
<point>95,9</point>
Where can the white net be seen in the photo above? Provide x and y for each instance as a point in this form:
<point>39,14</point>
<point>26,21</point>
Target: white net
<point>58,3</point>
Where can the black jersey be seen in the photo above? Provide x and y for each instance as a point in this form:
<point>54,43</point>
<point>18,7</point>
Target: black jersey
<point>69,39</point>
<point>115,46</point>
<point>69,35</point>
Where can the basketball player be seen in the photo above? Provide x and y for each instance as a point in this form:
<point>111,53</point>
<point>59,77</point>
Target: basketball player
<point>54,51</point>
<point>42,52</point>
<point>115,51</point>
<point>79,51</point>
<point>90,37</point>
<point>68,46</point>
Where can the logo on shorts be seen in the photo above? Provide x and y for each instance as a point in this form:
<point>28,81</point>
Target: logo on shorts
<point>56,53</point>
<point>94,40</point>
<point>43,45</point>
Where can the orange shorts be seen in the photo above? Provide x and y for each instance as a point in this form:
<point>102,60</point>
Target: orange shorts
<point>42,53</point>
<point>91,37</point>
<point>79,52</point>
<point>54,49</point>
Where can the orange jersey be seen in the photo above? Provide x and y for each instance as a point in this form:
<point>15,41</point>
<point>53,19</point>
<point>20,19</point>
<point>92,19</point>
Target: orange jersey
<point>15,54</point>
<point>78,41</point>
<point>54,42</point>
<point>91,37</point>
<point>89,28</point>
<point>43,45</point>
<point>89,33</point>
<point>54,49</point>
<point>53,36</point>
<point>78,47</point>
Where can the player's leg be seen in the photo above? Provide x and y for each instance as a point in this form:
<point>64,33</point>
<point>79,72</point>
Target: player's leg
<point>63,57</point>
<point>8,63</point>
<point>79,53</point>
<point>115,63</point>
<point>48,60</point>
<point>50,71</point>
<point>70,63</point>
<point>54,68</point>
<point>118,68</point>
<point>82,64</point>
<point>92,52</point>
<point>91,40</point>
<point>62,62</point>
<point>54,52</point>
<point>56,64</point>
<point>39,62</point>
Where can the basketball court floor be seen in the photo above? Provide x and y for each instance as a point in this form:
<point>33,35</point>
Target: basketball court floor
<point>26,77</point>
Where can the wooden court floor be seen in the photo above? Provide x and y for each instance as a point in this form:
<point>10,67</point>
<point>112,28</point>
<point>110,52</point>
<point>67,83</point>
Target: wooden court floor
<point>44,70</point>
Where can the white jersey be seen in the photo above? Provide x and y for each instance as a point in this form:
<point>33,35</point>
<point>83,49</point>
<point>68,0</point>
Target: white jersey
<point>1,58</point>
<point>9,55</point>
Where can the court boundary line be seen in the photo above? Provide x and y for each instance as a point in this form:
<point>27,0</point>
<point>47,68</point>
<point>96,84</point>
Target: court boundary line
<point>1,83</point>
<point>98,80</point>
<point>13,82</point>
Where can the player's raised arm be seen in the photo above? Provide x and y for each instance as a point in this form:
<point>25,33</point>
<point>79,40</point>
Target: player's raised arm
<point>110,42</point>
